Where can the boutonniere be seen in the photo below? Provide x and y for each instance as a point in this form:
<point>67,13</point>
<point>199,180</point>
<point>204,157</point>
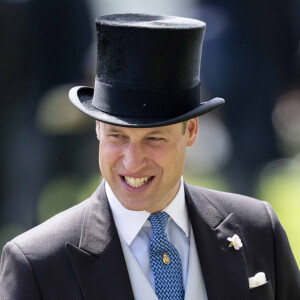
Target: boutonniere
<point>235,241</point>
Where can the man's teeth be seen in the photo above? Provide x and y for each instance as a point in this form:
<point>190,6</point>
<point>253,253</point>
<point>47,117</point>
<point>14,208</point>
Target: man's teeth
<point>136,182</point>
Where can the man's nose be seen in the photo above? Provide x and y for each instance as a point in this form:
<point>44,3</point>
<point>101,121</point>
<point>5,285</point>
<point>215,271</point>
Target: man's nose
<point>134,158</point>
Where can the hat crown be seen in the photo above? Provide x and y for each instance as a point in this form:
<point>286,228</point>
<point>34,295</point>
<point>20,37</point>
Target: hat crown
<point>149,52</point>
<point>148,71</point>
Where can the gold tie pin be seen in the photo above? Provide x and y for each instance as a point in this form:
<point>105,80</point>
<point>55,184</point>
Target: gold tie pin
<point>166,259</point>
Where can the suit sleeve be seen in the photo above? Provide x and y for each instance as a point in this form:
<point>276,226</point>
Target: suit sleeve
<point>17,280</point>
<point>287,285</point>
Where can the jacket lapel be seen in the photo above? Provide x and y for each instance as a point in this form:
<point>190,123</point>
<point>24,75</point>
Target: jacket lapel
<point>224,268</point>
<point>98,262</point>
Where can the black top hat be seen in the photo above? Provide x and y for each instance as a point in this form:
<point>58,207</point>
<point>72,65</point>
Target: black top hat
<point>148,72</point>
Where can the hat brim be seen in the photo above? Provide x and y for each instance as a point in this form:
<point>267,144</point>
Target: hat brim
<point>81,97</point>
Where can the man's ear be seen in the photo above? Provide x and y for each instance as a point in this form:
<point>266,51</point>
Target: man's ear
<point>191,131</point>
<point>98,130</point>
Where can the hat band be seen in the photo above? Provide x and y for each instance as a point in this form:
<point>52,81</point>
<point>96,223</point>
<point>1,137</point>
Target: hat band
<point>125,102</point>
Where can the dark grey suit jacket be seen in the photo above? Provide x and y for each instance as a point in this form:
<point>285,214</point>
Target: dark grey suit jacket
<point>77,254</point>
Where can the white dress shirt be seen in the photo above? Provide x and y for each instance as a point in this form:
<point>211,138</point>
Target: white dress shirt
<point>136,230</point>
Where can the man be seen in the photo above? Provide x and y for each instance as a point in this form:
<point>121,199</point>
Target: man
<point>144,234</point>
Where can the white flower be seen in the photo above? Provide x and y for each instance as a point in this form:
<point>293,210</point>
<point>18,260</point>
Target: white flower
<point>257,280</point>
<point>235,241</point>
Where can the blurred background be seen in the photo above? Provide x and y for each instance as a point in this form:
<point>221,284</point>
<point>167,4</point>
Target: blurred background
<point>48,153</point>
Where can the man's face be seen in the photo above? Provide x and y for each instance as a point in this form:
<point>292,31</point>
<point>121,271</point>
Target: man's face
<point>143,166</point>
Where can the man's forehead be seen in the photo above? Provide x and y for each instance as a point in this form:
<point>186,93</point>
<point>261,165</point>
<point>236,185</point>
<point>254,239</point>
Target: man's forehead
<point>150,130</point>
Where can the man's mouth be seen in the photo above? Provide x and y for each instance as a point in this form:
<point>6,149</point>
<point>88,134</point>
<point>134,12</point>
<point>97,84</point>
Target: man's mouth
<point>136,182</point>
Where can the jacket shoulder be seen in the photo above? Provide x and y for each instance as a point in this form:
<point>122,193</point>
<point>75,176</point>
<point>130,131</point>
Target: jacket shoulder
<point>219,196</point>
<point>51,235</point>
<point>35,263</point>
<point>249,210</point>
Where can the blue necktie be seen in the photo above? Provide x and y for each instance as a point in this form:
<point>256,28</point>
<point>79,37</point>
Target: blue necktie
<point>165,261</point>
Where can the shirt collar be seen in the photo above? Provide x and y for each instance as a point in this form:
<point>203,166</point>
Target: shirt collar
<point>130,222</point>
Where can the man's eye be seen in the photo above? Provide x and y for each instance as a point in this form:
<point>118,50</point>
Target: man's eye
<point>155,139</point>
<point>116,136</point>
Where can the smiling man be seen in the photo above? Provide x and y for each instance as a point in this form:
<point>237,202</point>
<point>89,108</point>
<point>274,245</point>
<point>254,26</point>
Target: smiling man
<point>143,167</point>
<point>145,234</point>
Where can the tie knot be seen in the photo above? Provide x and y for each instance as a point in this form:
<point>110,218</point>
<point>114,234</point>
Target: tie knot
<point>158,221</point>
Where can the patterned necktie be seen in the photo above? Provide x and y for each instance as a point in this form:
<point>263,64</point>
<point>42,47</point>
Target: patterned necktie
<point>165,261</point>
